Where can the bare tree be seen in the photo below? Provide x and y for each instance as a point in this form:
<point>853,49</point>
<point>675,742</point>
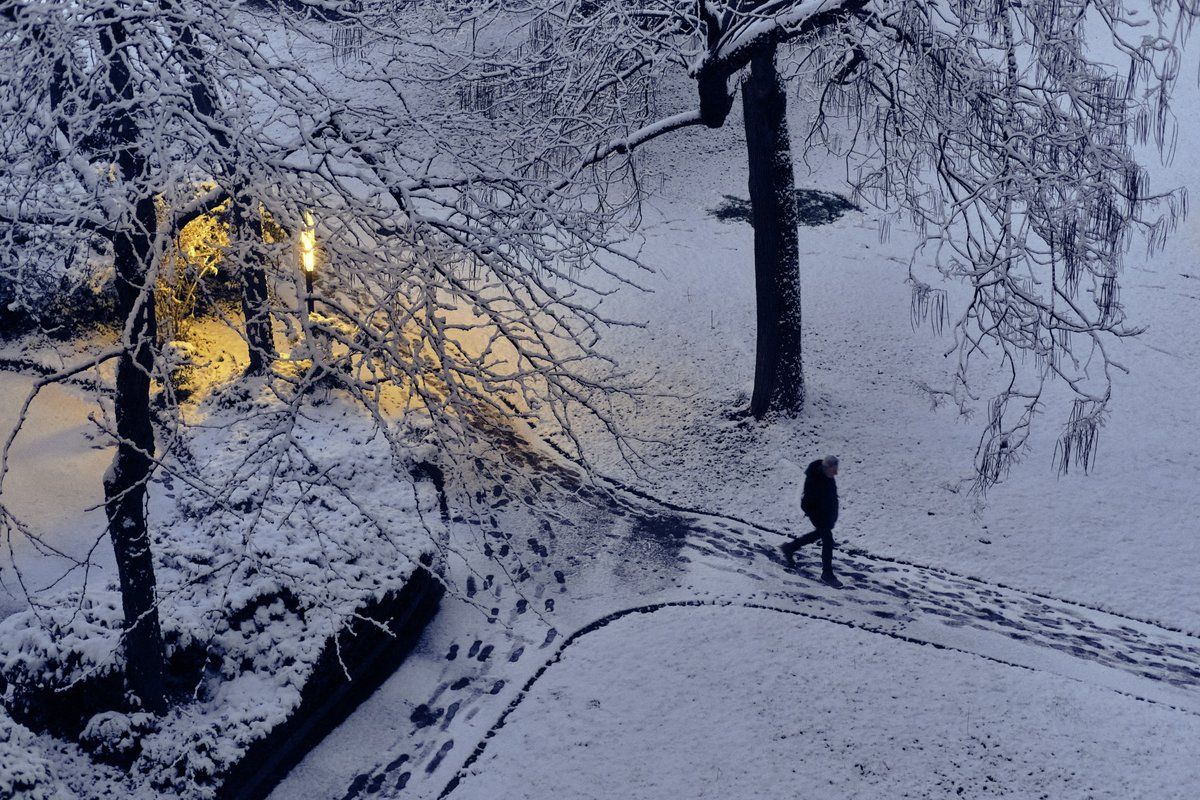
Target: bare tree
<point>1002,133</point>
<point>447,241</point>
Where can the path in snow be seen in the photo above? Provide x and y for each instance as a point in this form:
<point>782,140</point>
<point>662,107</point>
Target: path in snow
<point>596,555</point>
<point>938,607</point>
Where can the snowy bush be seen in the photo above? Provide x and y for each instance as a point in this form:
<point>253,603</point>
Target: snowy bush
<point>190,766</point>
<point>237,681</point>
<point>24,773</point>
<point>62,663</point>
<point>115,737</point>
<point>61,644</point>
<point>57,286</point>
<point>178,361</point>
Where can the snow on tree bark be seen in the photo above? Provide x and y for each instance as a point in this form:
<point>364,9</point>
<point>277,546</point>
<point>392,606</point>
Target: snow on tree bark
<point>125,482</point>
<point>778,366</point>
<point>256,312</point>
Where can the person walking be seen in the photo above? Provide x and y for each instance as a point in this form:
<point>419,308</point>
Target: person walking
<point>820,505</point>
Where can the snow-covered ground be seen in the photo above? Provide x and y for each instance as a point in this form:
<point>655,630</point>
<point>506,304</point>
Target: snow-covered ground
<point>1040,641</point>
<point>1120,536</point>
<point>743,702</point>
<point>742,680</point>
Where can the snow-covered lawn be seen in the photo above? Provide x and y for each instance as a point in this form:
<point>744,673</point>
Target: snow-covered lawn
<point>740,702</point>
<point>53,485</point>
<point>695,702</point>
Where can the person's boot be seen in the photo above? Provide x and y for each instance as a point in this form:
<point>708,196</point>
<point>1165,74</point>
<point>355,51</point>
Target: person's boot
<point>789,551</point>
<point>831,579</point>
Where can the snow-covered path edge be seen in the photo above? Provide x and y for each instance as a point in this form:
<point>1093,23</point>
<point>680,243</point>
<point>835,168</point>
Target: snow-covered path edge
<point>934,605</point>
<point>525,691</point>
<point>730,562</point>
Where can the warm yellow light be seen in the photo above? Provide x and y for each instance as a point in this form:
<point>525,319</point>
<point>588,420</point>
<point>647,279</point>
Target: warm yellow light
<point>308,243</point>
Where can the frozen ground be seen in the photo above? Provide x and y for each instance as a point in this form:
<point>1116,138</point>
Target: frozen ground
<point>655,652</point>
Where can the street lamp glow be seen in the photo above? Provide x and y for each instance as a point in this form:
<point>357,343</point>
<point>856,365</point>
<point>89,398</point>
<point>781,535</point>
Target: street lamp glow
<point>308,244</point>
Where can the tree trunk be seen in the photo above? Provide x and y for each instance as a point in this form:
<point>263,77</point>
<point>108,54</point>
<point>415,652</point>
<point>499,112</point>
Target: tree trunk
<point>258,317</point>
<point>259,340</point>
<point>125,481</point>
<point>778,374</point>
<point>247,225</point>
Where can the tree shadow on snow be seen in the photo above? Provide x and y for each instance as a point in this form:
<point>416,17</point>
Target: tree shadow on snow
<point>813,207</point>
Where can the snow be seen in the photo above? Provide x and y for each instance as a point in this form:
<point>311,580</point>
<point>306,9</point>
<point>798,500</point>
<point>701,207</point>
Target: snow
<point>1030,600</point>
<point>906,468</point>
<point>25,773</point>
<point>253,598</point>
<point>53,485</point>
<point>740,702</point>
<point>1039,640</point>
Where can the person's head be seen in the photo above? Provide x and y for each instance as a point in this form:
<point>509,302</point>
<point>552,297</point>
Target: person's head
<point>830,465</point>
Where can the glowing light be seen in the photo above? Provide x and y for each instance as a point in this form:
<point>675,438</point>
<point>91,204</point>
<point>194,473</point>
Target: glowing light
<point>308,243</point>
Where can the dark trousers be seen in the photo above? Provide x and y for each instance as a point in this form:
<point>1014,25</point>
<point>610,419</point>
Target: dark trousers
<point>825,535</point>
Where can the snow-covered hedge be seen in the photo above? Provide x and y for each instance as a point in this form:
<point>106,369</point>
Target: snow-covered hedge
<point>274,532</point>
<point>249,691</point>
<point>59,661</point>
<point>24,772</point>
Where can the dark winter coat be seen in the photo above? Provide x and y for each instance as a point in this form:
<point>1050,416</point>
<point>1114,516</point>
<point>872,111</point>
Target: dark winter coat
<point>820,500</point>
